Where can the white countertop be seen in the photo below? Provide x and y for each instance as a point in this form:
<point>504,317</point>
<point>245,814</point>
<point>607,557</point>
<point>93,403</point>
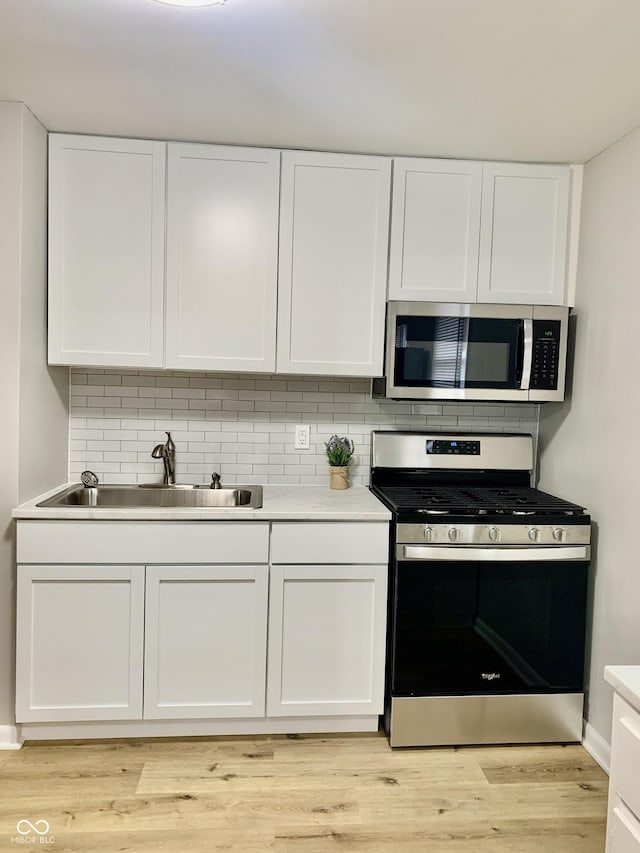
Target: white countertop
<point>310,503</point>
<point>625,680</point>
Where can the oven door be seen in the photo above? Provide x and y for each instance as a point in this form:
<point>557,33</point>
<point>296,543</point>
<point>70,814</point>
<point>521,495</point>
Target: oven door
<point>465,352</point>
<point>471,620</point>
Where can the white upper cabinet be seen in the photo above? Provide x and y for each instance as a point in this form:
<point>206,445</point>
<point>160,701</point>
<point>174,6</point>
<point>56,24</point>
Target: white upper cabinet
<point>106,251</point>
<point>479,232</point>
<point>523,240</point>
<point>222,257</point>
<point>277,261</point>
<point>334,229</point>
<point>435,230</point>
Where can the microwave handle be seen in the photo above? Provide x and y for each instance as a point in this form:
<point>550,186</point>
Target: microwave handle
<point>527,354</point>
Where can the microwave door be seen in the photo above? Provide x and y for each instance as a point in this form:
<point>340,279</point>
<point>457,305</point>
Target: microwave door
<point>460,357</point>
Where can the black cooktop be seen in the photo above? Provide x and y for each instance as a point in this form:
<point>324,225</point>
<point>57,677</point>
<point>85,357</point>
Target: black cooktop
<point>474,500</point>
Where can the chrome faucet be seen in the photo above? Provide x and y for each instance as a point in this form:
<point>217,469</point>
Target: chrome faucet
<point>167,452</point>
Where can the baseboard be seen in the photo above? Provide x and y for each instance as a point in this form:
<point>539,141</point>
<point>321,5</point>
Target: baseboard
<point>597,747</point>
<point>198,728</point>
<point>9,738</point>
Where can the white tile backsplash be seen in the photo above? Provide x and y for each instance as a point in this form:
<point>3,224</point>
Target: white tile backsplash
<point>243,426</point>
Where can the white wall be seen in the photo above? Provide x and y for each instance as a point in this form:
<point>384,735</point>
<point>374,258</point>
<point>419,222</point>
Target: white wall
<point>589,447</point>
<point>10,158</point>
<point>44,391</point>
<point>33,425</point>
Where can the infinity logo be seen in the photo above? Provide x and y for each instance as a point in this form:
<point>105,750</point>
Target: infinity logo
<point>32,827</point>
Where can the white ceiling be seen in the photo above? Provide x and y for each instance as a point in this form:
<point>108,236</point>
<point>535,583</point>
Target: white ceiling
<point>539,80</point>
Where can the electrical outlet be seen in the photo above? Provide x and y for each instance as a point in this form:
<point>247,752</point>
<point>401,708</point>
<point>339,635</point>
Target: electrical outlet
<point>301,437</point>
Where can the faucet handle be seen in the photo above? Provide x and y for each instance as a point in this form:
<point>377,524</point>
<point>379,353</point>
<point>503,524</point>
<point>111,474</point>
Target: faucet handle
<point>215,481</point>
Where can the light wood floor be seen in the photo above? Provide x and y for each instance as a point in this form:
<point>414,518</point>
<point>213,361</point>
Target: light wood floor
<point>323,794</point>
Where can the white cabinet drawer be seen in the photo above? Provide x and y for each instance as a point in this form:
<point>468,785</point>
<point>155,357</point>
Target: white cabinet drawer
<point>625,752</point>
<point>330,542</point>
<point>143,542</point>
<point>624,831</point>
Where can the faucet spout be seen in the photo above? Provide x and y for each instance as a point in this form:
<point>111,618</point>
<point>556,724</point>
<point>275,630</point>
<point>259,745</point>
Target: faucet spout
<point>167,452</point>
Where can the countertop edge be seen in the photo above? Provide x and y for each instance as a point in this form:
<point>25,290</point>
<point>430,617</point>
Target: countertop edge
<point>625,680</point>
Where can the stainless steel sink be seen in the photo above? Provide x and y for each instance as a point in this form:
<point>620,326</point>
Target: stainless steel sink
<point>152,495</point>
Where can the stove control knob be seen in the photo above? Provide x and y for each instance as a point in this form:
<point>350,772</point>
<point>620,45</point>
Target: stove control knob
<point>494,534</point>
<point>453,534</point>
<point>559,534</point>
<point>534,534</point>
<point>428,533</point>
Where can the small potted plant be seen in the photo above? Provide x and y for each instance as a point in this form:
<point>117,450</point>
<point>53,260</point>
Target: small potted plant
<point>339,453</point>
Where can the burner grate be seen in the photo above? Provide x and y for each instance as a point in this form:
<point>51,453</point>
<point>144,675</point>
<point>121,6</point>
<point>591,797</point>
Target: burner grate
<point>476,500</point>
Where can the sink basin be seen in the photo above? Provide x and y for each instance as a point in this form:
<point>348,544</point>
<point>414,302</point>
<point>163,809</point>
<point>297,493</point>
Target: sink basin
<point>122,497</point>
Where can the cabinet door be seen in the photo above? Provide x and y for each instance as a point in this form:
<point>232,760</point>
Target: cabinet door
<point>327,629</point>
<point>334,230</point>
<point>625,754</point>
<point>222,257</point>
<point>106,251</point>
<point>79,643</point>
<point>205,641</point>
<point>523,239</point>
<point>435,230</point>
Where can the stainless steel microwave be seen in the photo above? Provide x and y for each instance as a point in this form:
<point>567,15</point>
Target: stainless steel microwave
<point>438,351</point>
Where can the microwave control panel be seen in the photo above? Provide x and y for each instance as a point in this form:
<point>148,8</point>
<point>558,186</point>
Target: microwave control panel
<point>546,355</point>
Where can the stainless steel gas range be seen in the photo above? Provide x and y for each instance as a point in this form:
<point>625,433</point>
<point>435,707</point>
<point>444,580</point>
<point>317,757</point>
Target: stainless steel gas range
<point>487,593</point>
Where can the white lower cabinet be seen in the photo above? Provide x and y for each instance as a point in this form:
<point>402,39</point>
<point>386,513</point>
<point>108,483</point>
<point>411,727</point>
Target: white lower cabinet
<point>327,618</point>
<point>228,647</point>
<point>205,641</point>
<point>623,820</point>
<point>326,640</point>
<point>623,829</point>
<point>79,643</point>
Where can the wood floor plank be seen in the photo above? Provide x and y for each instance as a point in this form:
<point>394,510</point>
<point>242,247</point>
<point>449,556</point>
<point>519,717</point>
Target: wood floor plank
<point>144,748</point>
<point>575,836</point>
<point>182,811</point>
<point>165,841</point>
<point>538,764</point>
<point>354,771</point>
<point>85,781</point>
<point>468,801</point>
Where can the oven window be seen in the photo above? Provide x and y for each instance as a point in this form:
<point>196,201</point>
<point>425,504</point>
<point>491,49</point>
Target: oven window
<point>489,627</point>
<point>458,352</point>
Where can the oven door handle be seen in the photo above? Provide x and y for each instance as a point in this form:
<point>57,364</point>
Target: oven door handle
<point>493,555</point>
